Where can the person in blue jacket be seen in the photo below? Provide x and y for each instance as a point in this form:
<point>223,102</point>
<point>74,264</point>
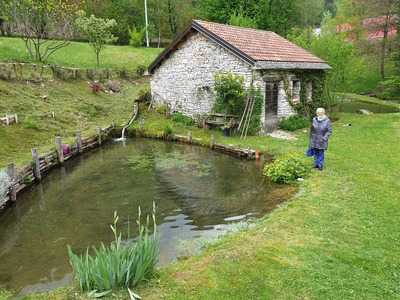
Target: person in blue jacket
<point>321,130</point>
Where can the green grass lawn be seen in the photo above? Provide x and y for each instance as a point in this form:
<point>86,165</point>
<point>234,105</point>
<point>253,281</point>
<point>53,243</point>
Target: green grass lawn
<point>338,238</point>
<point>75,108</point>
<point>81,55</point>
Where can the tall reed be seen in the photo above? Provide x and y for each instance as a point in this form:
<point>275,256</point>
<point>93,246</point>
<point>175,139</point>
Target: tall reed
<point>119,265</point>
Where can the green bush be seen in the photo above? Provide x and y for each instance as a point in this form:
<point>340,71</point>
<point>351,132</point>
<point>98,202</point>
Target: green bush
<point>230,96</point>
<point>255,120</point>
<point>140,70</point>
<point>119,265</point>
<point>167,131</point>
<point>293,123</point>
<point>162,109</point>
<point>30,123</point>
<point>390,88</point>
<point>136,37</point>
<point>286,169</point>
<point>178,117</point>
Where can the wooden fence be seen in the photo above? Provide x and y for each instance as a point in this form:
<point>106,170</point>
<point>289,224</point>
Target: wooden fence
<point>40,165</point>
<point>9,119</point>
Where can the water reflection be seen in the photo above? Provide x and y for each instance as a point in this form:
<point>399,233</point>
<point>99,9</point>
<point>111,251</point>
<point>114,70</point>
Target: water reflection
<point>199,195</point>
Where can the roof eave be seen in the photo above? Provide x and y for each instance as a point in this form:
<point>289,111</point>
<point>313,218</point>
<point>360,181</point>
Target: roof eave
<point>289,65</point>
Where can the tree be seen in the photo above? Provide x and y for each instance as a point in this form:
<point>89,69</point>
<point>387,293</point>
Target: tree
<point>98,31</point>
<point>239,19</point>
<point>277,15</point>
<point>46,26</point>
<point>385,11</point>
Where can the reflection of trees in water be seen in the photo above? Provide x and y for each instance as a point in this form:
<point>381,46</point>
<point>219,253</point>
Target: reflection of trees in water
<point>229,187</point>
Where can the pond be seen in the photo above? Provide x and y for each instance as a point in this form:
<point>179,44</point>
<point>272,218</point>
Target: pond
<point>355,106</point>
<point>199,194</point>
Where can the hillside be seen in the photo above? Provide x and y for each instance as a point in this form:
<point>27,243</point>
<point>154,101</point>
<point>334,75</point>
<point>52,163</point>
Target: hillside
<point>74,105</point>
<point>81,55</point>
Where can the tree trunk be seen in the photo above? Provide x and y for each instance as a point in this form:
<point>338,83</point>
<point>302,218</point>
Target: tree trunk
<point>98,58</point>
<point>384,43</point>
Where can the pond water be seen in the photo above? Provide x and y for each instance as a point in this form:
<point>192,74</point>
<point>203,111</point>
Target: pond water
<point>355,106</point>
<point>199,195</point>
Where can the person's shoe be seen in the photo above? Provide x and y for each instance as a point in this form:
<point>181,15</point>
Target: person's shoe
<point>320,168</point>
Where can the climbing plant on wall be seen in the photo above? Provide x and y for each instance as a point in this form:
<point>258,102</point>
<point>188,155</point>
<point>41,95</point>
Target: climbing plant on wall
<point>321,94</point>
<point>229,93</point>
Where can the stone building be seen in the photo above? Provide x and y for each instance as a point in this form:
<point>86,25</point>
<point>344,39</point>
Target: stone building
<point>182,76</point>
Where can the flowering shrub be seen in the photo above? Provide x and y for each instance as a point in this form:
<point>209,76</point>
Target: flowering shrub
<point>286,169</point>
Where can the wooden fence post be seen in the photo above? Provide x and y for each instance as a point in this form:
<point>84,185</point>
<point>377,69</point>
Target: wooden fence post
<point>12,174</point>
<point>36,164</point>
<point>212,141</point>
<point>190,137</point>
<point>7,120</point>
<point>98,129</point>
<point>60,153</point>
<point>78,141</point>
<point>16,118</point>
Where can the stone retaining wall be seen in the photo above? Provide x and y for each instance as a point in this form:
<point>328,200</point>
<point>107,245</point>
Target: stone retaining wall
<point>38,73</point>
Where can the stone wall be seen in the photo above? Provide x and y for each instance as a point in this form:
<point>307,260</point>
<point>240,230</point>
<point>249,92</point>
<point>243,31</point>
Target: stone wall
<point>185,80</point>
<point>38,72</point>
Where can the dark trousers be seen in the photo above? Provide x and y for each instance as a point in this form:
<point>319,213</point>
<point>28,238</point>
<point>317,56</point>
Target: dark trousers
<point>319,156</point>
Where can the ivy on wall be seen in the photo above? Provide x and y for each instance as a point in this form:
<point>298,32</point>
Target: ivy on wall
<point>321,94</point>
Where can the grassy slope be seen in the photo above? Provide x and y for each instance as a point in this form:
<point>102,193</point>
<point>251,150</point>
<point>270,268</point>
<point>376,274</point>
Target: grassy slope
<point>338,239</point>
<point>81,55</point>
<point>75,107</point>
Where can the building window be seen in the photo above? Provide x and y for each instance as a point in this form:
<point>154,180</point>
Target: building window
<point>296,91</point>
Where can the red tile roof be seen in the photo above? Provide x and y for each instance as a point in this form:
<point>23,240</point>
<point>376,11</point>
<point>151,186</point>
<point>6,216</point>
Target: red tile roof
<point>261,49</point>
<point>260,45</point>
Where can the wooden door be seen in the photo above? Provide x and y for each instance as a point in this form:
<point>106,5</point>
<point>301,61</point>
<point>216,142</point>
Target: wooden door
<point>271,99</point>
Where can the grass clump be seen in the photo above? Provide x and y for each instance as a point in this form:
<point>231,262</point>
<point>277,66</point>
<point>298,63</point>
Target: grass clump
<point>286,169</point>
<point>293,123</point>
<point>178,117</point>
<point>119,265</point>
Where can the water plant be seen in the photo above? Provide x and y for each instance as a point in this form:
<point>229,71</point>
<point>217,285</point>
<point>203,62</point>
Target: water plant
<point>122,264</point>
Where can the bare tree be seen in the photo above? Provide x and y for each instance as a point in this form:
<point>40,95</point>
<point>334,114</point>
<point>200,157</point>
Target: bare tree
<point>46,26</point>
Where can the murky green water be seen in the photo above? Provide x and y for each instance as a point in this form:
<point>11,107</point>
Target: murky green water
<point>355,106</point>
<point>199,195</point>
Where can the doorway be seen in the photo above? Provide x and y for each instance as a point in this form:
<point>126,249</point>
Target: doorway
<point>271,105</point>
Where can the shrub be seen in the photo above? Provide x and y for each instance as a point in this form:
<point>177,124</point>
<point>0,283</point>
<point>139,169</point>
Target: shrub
<point>140,70</point>
<point>286,169</point>
<point>390,88</point>
<point>30,123</point>
<point>167,131</point>
<point>230,94</point>
<point>118,265</point>
<point>255,120</point>
<point>162,109</point>
<point>144,95</point>
<point>293,123</point>
<point>136,37</point>
<point>178,117</point>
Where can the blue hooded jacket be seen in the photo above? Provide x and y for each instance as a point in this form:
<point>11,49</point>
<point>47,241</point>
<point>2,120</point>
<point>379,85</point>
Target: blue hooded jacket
<point>320,132</point>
